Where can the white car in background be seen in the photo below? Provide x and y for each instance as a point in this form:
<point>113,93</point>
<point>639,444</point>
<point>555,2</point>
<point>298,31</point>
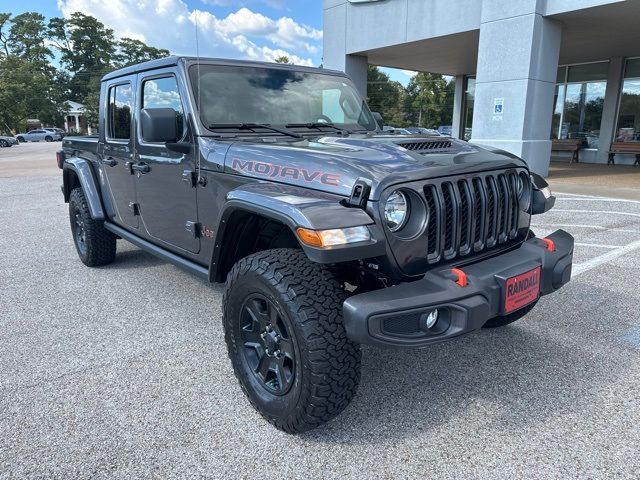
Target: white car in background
<point>38,136</point>
<point>8,141</point>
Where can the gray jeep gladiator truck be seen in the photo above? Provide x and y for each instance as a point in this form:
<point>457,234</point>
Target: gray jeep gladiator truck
<point>328,233</point>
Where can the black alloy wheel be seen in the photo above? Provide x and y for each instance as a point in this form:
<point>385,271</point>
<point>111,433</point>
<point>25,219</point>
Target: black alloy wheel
<point>79,234</point>
<point>267,345</point>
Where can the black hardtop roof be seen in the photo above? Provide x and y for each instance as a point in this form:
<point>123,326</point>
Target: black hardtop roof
<point>175,60</point>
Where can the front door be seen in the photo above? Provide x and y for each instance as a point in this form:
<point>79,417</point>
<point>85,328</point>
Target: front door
<point>165,187</point>
<point>117,152</point>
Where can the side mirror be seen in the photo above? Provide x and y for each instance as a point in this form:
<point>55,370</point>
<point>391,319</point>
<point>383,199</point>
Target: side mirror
<point>159,124</point>
<point>379,120</point>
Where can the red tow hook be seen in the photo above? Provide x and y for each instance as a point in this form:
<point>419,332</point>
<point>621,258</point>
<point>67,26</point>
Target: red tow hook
<point>551,246</point>
<point>461,277</point>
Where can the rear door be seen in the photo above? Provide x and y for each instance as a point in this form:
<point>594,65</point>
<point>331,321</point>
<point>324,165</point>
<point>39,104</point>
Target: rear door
<point>117,153</point>
<point>166,190</point>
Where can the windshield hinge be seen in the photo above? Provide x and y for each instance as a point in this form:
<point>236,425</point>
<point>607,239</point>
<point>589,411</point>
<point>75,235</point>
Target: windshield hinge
<point>359,194</point>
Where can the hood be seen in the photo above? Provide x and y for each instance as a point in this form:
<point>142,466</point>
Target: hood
<point>333,164</point>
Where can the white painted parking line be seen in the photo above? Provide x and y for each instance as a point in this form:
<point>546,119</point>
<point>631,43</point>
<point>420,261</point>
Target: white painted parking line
<point>597,245</point>
<point>606,212</point>
<point>581,268</point>
<point>596,199</point>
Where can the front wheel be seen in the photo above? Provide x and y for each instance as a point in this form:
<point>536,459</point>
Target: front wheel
<point>95,244</point>
<point>20,139</point>
<point>48,139</point>
<point>282,317</point>
<point>3,143</point>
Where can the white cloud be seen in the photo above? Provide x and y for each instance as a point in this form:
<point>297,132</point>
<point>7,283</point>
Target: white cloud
<point>170,24</point>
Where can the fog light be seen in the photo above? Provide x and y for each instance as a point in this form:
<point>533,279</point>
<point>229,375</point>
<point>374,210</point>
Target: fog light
<point>432,319</point>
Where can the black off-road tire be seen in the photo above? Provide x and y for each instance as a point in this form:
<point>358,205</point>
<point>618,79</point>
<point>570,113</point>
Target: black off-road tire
<point>309,300</point>
<point>98,245</point>
<point>507,319</point>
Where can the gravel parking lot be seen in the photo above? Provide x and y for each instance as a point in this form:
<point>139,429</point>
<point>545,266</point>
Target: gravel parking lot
<point>122,371</point>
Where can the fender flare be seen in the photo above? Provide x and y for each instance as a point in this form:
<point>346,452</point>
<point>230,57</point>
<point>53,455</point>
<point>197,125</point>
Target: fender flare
<point>83,170</point>
<point>269,206</point>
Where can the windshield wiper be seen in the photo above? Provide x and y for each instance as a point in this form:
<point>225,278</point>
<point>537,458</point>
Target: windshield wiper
<point>253,126</point>
<point>318,125</point>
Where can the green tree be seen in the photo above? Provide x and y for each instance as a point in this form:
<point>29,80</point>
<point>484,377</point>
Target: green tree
<point>283,59</point>
<point>429,100</point>
<point>26,91</point>
<point>5,19</point>
<point>27,39</point>
<point>386,97</point>
<point>131,51</point>
<point>87,50</point>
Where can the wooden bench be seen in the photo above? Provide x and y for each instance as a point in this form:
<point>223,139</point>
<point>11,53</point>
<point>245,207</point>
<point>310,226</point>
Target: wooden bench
<point>568,145</point>
<point>632,148</point>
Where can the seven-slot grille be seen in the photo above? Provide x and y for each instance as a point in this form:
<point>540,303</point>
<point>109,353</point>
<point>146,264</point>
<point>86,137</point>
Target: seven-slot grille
<point>471,214</point>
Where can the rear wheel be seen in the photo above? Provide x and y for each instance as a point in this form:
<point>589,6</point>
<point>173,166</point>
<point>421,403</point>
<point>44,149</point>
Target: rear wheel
<point>95,245</point>
<point>282,317</point>
<point>48,139</point>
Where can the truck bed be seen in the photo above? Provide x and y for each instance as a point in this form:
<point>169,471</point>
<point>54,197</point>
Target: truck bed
<point>86,147</point>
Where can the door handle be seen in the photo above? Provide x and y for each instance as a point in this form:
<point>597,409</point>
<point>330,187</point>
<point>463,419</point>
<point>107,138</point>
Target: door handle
<point>109,161</point>
<point>141,168</point>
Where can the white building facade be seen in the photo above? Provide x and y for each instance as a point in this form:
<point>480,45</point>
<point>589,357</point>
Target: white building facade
<point>527,71</point>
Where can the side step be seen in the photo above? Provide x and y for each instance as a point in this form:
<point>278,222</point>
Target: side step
<point>159,252</point>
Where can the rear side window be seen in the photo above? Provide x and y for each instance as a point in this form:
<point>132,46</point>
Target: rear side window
<point>163,93</point>
<point>120,108</point>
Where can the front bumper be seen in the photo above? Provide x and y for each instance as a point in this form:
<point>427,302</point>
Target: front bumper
<point>396,316</point>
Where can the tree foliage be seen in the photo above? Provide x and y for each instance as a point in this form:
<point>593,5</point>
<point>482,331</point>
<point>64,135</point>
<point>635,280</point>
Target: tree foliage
<point>427,101</point>
<point>43,64</point>
<point>385,96</point>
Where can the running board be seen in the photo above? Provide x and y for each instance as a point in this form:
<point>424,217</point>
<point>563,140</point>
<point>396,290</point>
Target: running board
<point>159,252</point>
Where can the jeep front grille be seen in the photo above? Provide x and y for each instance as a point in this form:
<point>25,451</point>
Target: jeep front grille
<point>471,215</point>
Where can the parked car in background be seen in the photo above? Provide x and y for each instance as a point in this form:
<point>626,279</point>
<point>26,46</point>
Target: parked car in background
<point>423,131</point>
<point>38,136</point>
<point>7,141</point>
<point>56,130</point>
<point>445,130</point>
<point>395,130</point>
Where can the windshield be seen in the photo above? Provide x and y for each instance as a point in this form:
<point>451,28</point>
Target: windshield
<point>276,96</point>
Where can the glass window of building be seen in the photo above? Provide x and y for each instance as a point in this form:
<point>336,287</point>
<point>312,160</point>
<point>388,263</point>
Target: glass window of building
<point>578,102</point>
<point>628,128</point>
<point>469,96</point>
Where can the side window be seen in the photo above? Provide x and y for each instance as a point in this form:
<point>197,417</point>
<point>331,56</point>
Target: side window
<point>163,93</point>
<point>120,108</point>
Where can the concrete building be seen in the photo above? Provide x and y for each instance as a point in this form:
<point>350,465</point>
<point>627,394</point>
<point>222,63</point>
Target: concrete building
<point>526,71</point>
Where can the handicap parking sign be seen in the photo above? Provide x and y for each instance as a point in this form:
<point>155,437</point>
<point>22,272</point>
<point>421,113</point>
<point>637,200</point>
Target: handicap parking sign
<point>498,106</point>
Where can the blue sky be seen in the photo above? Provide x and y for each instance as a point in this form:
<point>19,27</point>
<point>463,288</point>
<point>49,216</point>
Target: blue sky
<point>248,29</point>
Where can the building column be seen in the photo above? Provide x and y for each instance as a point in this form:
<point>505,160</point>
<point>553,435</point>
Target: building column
<point>610,108</point>
<point>77,123</point>
<point>458,105</point>
<point>515,82</point>
<point>66,123</point>
<point>335,55</point>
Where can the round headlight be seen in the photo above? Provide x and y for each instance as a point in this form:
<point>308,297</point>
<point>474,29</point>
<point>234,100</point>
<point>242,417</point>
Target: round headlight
<point>396,210</point>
